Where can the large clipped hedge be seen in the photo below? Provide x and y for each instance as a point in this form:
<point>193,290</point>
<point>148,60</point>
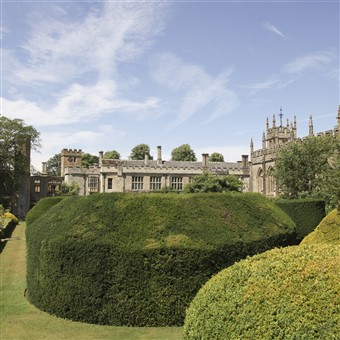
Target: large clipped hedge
<point>41,208</point>
<point>288,293</point>
<point>139,259</point>
<point>327,232</point>
<point>306,214</point>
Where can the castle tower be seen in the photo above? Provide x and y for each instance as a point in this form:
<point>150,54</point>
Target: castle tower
<point>70,158</point>
<point>338,117</point>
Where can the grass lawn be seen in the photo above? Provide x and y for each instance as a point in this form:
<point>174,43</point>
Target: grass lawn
<point>20,320</point>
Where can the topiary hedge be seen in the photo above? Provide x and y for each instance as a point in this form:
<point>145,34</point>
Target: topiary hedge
<point>327,232</point>
<point>139,259</point>
<point>41,208</point>
<point>288,293</point>
<point>306,213</point>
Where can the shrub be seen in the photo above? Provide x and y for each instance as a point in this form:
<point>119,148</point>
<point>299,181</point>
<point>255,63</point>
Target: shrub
<point>138,260</point>
<point>327,232</point>
<point>289,293</point>
<point>10,216</point>
<point>41,208</point>
<point>306,213</point>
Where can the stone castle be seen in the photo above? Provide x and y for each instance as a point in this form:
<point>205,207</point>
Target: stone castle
<point>115,175</point>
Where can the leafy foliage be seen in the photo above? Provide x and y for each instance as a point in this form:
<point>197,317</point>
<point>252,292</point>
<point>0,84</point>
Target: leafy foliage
<point>14,136</point>
<point>310,169</point>
<point>139,152</point>
<point>67,189</point>
<point>53,165</point>
<point>208,182</point>
<point>287,293</point>
<point>327,232</point>
<point>216,157</point>
<point>41,208</point>
<point>306,214</point>
<point>87,160</point>
<point>126,259</point>
<point>183,153</point>
<point>113,154</point>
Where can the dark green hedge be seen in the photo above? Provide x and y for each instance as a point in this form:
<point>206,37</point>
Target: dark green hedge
<point>41,208</point>
<point>138,260</point>
<point>306,213</point>
<point>287,293</point>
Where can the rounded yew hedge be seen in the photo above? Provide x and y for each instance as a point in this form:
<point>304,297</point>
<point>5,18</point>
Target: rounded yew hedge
<point>288,293</point>
<point>327,232</point>
<point>139,259</point>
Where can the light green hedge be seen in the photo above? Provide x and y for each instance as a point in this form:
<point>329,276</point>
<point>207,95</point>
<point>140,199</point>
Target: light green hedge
<point>288,293</point>
<point>139,259</point>
<point>327,232</point>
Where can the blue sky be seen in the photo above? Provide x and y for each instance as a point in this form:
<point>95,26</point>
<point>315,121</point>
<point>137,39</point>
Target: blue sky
<point>104,75</point>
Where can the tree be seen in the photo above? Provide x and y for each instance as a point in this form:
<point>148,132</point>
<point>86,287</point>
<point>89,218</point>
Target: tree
<point>69,189</point>
<point>87,160</point>
<point>216,157</point>
<point>208,182</point>
<point>183,153</point>
<point>307,168</point>
<point>139,151</point>
<point>112,155</point>
<point>16,141</point>
<point>53,165</point>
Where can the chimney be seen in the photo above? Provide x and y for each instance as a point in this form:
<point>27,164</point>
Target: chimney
<point>146,159</point>
<point>205,157</point>
<point>159,155</point>
<point>44,169</point>
<point>245,161</point>
<point>101,155</point>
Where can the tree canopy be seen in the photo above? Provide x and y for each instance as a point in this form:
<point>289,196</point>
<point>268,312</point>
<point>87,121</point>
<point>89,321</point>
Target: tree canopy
<point>310,168</point>
<point>208,182</point>
<point>139,151</point>
<point>53,165</point>
<point>87,160</point>
<point>15,137</point>
<point>183,153</point>
<point>113,154</point>
<point>216,157</point>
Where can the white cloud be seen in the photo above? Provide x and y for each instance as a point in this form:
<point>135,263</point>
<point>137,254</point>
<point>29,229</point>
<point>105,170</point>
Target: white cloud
<point>273,29</point>
<point>79,103</point>
<point>200,90</point>
<point>88,140</point>
<point>309,62</point>
<point>59,50</point>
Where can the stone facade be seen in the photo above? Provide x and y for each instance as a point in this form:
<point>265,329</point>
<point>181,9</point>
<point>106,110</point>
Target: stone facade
<point>113,175</point>
<point>263,160</point>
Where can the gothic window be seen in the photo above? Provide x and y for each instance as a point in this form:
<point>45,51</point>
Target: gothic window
<point>155,182</point>
<point>259,180</point>
<point>53,186</point>
<point>93,184</point>
<point>137,182</point>
<point>177,183</point>
<point>270,181</point>
<point>36,187</point>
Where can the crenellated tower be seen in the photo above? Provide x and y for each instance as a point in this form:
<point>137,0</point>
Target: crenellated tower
<point>70,158</point>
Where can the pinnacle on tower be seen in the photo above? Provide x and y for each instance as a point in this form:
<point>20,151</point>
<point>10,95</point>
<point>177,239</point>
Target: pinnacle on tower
<point>274,121</point>
<point>281,114</point>
<point>311,130</point>
<point>339,117</point>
